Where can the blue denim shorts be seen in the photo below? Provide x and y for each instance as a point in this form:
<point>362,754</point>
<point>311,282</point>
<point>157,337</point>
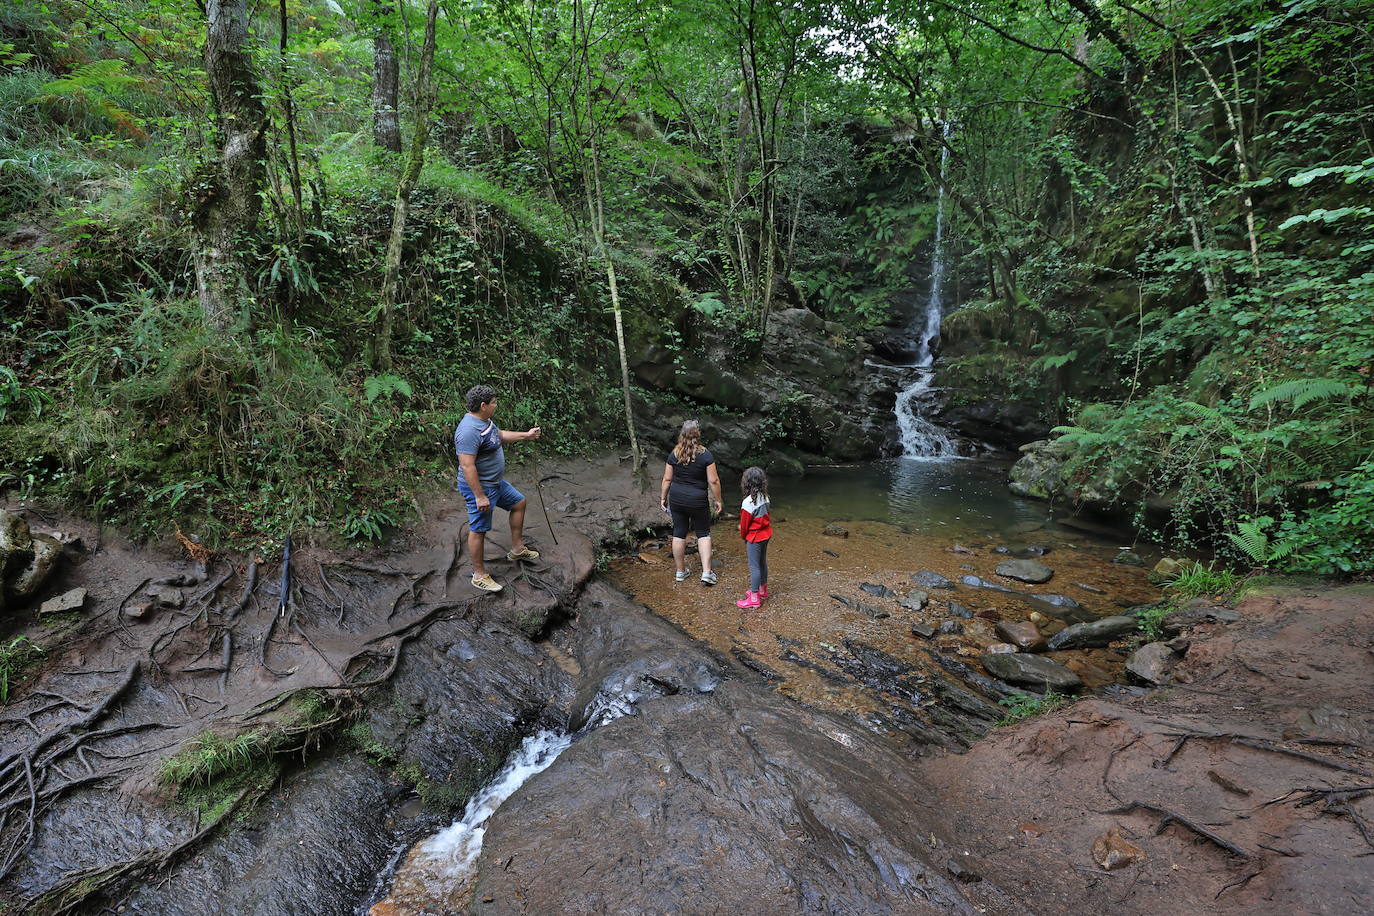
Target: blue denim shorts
<point>501,494</point>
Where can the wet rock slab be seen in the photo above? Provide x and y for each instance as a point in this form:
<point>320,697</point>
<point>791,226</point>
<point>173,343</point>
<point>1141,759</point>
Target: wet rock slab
<point>738,801</point>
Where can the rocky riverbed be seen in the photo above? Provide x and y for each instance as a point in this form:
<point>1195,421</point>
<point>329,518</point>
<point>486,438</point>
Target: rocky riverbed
<point>713,765</point>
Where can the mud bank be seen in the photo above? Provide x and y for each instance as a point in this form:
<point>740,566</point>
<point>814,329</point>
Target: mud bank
<point>716,793</point>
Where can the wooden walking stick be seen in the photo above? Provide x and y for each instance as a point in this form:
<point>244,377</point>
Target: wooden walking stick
<point>539,488</point>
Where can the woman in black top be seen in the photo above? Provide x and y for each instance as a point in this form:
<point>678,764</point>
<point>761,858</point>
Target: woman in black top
<point>691,492</point>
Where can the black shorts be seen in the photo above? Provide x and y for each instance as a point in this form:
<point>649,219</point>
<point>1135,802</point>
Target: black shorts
<point>695,518</point>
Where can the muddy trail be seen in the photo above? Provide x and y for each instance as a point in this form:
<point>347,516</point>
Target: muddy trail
<point>326,734</point>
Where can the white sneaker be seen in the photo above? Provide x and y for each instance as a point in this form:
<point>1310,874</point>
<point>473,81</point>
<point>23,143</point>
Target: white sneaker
<point>681,576</point>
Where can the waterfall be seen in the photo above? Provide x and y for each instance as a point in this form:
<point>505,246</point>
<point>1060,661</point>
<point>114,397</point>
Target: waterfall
<point>920,437</point>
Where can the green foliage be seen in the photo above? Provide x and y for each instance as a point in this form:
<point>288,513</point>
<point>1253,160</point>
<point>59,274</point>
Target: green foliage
<point>1152,619</point>
<point>16,657</point>
<point>375,386</point>
<point>1198,580</point>
<point>1028,705</point>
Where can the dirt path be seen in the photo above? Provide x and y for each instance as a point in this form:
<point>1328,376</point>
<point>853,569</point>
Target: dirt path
<point>1245,776</point>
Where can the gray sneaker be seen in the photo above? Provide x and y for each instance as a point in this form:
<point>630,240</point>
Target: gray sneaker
<point>681,576</point>
<point>708,578</point>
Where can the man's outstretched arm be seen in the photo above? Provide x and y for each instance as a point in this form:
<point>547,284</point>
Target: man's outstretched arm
<point>529,434</point>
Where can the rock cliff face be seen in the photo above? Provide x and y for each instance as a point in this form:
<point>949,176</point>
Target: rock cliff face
<point>805,397</point>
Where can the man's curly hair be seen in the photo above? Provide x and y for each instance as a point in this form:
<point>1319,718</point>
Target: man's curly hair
<point>478,395</point>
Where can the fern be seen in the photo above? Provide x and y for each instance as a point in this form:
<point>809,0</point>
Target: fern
<point>1302,391</point>
<point>375,386</point>
<point>1252,539</point>
<point>93,86</point>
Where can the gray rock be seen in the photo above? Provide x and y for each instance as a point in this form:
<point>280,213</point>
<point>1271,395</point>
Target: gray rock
<point>69,601</point>
<point>870,610</point>
<point>1031,671</point>
<point>43,559</point>
<point>931,580</point>
<point>1000,648</point>
<point>951,628</point>
<point>1128,558</point>
<point>1092,589</point>
<point>956,609</point>
<point>1093,634</point>
<point>1057,600</point>
<point>878,591</point>
<point>915,600</point>
<point>1031,571</point>
<point>16,545</point>
<point>835,531</point>
<point>923,630</point>
<point>1177,621</point>
<point>1151,663</point>
<point>166,596</point>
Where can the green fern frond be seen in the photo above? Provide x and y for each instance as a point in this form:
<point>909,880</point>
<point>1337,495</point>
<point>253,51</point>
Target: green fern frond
<point>1302,391</point>
<point>1210,414</point>
<point>1252,540</point>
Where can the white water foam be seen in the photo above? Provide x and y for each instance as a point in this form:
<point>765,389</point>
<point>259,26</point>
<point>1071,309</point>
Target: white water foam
<point>455,848</point>
<point>922,439</point>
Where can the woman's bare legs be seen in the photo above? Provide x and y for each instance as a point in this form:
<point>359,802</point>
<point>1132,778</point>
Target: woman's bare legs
<point>704,551</point>
<point>680,554</point>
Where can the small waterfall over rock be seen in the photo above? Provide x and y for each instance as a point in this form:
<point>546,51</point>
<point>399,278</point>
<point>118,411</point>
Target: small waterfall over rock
<point>921,438</point>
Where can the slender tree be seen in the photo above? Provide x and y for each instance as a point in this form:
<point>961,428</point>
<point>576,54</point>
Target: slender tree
<point>230,202</point>
<point>391,268</point>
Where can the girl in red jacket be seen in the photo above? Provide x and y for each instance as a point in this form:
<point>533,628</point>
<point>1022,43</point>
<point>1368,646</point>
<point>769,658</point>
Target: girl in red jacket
<point>756,527</point>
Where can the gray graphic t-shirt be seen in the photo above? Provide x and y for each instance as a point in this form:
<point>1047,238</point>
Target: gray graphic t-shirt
<point>483,439</point>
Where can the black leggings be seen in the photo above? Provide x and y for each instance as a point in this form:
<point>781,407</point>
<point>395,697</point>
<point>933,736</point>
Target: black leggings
<point>697,518</point>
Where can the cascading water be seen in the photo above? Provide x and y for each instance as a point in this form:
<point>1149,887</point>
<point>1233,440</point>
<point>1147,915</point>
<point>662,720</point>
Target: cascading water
<point>921,438</point>
<point>440,871</point>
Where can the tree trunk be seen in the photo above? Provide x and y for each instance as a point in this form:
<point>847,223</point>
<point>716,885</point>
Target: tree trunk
<point>391,269</point>
<point>229,204</point>
<point>386,70</point>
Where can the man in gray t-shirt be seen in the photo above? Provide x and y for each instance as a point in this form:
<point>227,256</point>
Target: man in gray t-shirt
<point>481,462</point>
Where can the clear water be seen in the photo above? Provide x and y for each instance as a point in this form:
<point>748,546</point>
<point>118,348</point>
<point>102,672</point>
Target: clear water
<point>962,498</point>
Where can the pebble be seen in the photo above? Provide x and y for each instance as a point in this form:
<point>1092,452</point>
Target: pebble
<point>1000,648</point>
<point>951,628</point>
<point>1090,588</point>
<point>835,531</point>
<point>915,600</point>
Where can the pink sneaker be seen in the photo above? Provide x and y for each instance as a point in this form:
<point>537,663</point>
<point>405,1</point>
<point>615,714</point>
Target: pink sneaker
<point>763,592</point>
<point>750,599</point>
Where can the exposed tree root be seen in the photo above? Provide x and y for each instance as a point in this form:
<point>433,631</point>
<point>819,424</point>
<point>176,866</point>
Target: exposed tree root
<point>76,888</point>
<point>1182,738</point>
<point>1168,817</point>
<point>1335,799</point>
<point>25,772</point>
<point>250,583</point>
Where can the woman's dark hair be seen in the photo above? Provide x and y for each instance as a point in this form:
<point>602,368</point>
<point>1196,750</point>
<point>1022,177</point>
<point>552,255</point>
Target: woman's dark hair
<point>754,484</point>
<point>478,395</point>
